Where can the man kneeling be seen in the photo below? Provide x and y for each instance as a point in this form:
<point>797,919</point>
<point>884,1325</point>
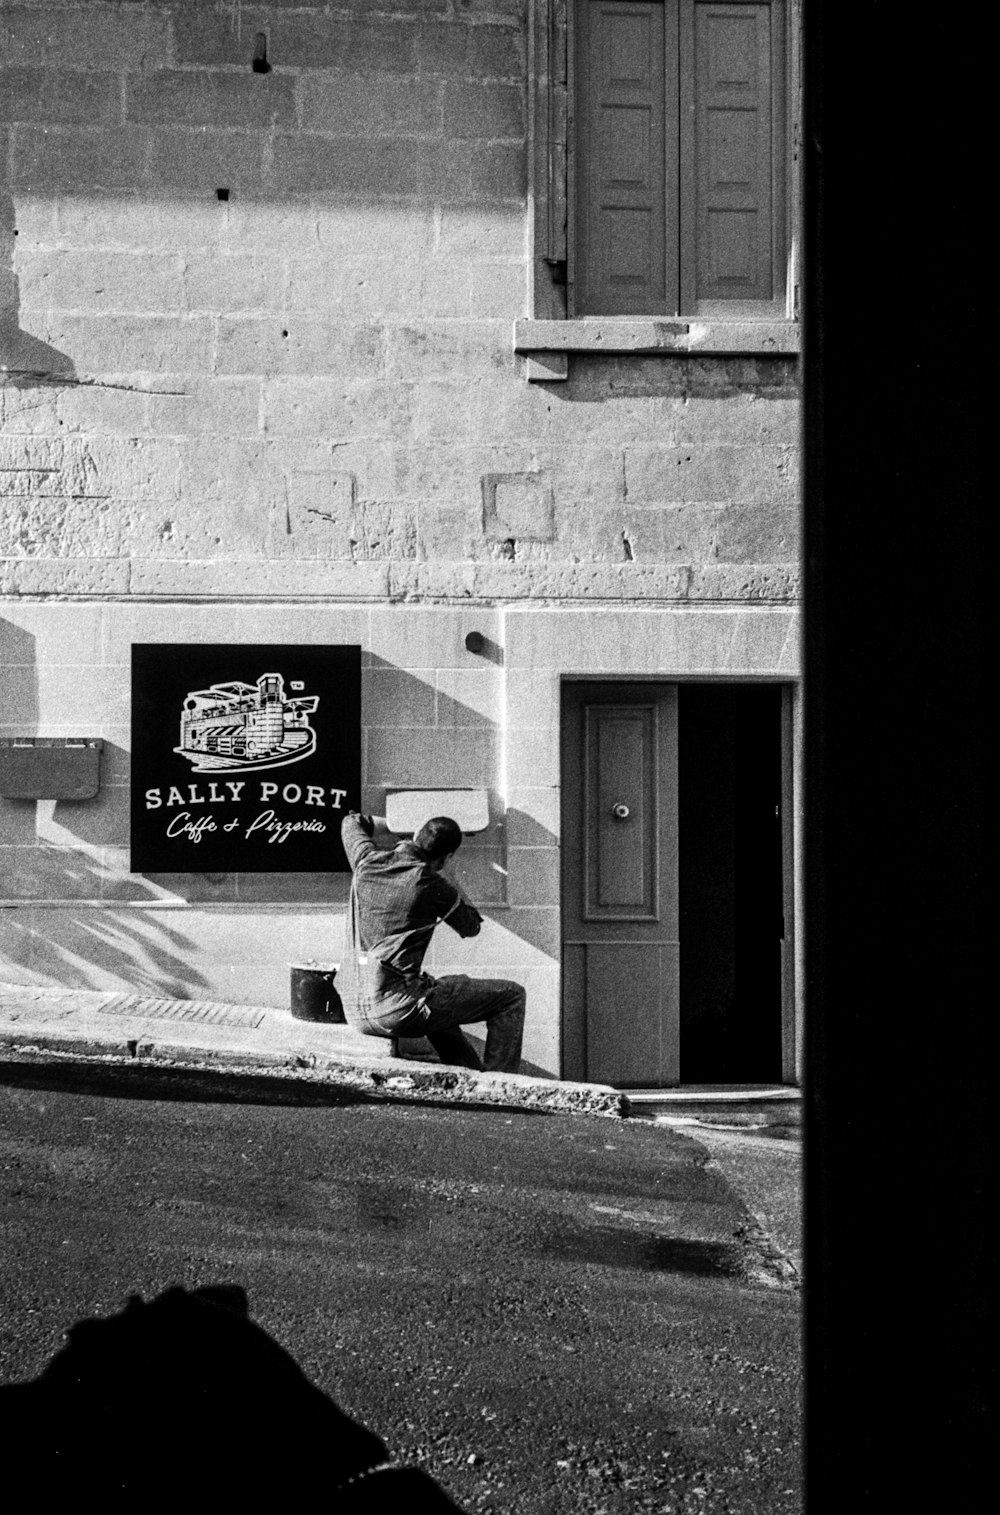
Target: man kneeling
<point>397,899</point>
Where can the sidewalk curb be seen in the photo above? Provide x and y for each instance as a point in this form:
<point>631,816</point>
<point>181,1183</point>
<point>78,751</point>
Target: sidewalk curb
<point>386,1078</point>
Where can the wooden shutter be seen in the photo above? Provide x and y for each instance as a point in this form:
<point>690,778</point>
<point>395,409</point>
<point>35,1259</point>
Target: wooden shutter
<point>626,257</point>
<point>727,231</point>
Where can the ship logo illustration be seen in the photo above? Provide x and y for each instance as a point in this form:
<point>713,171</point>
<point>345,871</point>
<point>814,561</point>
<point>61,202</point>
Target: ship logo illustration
<point>246,726</point>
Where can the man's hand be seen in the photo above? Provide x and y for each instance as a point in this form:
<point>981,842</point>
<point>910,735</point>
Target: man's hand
<point>366,822</point>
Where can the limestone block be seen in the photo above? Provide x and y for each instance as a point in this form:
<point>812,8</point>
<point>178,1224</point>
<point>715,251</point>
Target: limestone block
<point>757,534</point>
<point>82,695</point>
<point>33,633</point>
<point>59,96</point>
<point>117,409</point>
<point>339,408</point>
<point>373,167</point>
<point>671,533</point>
<point>55,526</point>
<point>82,576</point>
<point>486,177</point>
<point>299,578</point>
<point>519,936</point>
<point>442,48</point>
<point>180,224</point>
<point>419,758</point>
<point>472,234</point>
<point>489,112</point>
<point>449,533</point>
<point>741,420</point>
<point>469,696</point>
<point>345,106</point>
<point>749,581</point>
<point>356,44</point>
<point>225,529</point>
<point>489,10</point>
<point>29,409</point>
<point>138,469</point>
<point>123,624</point>
<point>518,505</point>
<point>586,581</point>
<point>400,231</point>
<point>311,282</point>
<point>383,531</point>
<point>105,281</point>
<point>431,581</point>
<point>482,879</point>
<point>193,404</point>
<point>441,411</point>
<point>101,822</point>
<point>533,756</point>
<point>44,873</point>
<point>532,698</point>
<point>589,530</point>
<point>206,159</point>
<point>113,345</point>
<point>299,346</point>
<point>425,637</point>
<point>63,158</point>
<point>391,697</point>
<point>234,284</point>
<point>675,475</point>
<point>436,473</point>
<point>583,473</point>
<point>209,97</point>
<point>289,888</point>
<point>87,38</point>
<point>496,52</point>
<point>722,640</point>
<point>533,876</point>
<point>532,818</point>
<point>498,289</point>
<point>442,349</point>
<point>313,518</point>
<point>17,823</point>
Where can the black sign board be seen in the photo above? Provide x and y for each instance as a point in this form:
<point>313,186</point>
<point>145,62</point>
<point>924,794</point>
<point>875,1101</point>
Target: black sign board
<point>245,758</point>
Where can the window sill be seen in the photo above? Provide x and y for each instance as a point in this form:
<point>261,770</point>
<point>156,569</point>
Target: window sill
<point>547,344</point>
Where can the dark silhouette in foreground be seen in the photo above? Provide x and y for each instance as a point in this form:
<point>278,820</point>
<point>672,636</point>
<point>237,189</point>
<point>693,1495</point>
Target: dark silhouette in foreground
<point>184,1402</point>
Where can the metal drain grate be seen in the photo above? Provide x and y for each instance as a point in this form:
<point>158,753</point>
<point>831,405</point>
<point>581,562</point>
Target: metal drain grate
<point>205,1012</point>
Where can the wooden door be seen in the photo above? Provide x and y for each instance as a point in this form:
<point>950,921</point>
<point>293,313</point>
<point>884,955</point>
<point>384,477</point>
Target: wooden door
<point>620,884</point>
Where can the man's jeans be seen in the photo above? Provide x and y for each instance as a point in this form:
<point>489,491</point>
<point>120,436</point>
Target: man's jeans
<point>457,1000</point>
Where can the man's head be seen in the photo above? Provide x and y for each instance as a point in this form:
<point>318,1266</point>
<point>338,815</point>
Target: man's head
<point>438,839</point>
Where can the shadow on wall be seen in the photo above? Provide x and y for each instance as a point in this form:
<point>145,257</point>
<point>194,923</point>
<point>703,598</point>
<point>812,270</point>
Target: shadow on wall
<point>24,359</point>
<point>408,720</point>
<point>83,949</point>
<point>635,376</point>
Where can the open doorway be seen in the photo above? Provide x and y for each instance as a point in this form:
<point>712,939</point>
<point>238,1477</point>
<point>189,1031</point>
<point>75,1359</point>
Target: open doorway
<point>676,883</point>
<point>730,883</point>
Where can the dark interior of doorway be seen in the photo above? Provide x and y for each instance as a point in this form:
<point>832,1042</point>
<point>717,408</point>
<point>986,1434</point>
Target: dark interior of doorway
<point>729,787</point>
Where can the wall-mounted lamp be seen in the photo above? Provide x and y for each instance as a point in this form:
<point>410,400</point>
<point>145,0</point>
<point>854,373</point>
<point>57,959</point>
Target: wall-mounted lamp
<point>475,641</point>
<point>260,64</point>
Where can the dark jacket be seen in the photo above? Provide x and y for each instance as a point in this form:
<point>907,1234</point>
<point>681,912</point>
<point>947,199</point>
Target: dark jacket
<point>397,899</point>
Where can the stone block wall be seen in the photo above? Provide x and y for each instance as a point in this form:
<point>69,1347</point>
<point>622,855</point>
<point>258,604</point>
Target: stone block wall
<point>258,382</point>
<point>257,330</point>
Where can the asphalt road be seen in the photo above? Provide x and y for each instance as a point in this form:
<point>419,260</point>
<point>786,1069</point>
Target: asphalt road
<point>548,1313</point>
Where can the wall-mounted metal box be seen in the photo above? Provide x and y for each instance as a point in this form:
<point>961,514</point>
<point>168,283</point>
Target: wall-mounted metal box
<point>407,809</point>
<point>50,767</point>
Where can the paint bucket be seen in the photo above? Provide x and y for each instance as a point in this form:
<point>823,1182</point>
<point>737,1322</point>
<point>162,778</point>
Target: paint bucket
<point>313,996</point>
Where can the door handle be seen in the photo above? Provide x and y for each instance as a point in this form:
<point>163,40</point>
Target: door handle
<point>620,812</point>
